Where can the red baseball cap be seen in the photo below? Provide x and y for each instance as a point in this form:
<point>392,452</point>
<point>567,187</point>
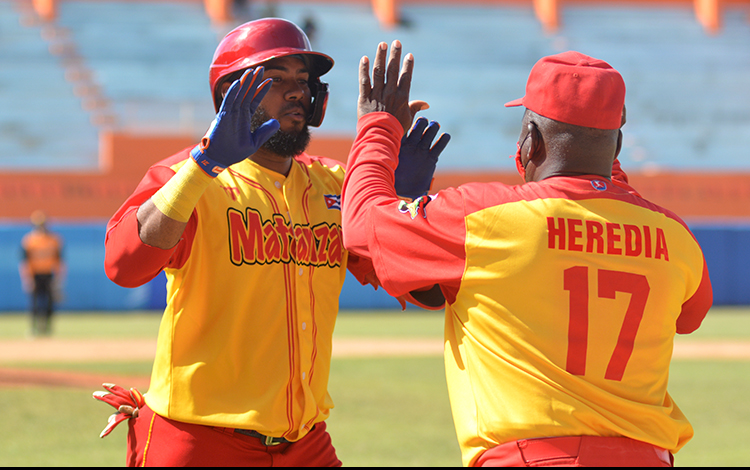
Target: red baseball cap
<point>576,89</point>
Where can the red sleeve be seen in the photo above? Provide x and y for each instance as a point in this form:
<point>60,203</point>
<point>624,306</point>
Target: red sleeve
<point>128,261</point>
<point>362,269</point>
<point>369,177</point>
<point>408,253</point>
<point>696,308</point>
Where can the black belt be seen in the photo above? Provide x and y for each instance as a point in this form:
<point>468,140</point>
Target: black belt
<point>266,440</point>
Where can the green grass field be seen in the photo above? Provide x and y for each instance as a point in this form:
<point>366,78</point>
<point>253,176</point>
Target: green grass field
<point>389,411</point>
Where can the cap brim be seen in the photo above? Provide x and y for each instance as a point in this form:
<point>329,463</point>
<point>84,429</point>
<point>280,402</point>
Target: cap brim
<point>518,102</point>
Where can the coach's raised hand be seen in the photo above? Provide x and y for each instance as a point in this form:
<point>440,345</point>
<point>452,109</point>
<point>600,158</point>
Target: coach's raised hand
<point>389,88</point>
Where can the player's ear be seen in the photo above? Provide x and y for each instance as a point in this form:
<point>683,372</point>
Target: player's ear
<point>535,141</point>
<point>619,143</point>
<point>224,88</point>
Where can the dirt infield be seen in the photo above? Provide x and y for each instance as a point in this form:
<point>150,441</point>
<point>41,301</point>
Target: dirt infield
<point>52,350</point>
<point>103,350</point>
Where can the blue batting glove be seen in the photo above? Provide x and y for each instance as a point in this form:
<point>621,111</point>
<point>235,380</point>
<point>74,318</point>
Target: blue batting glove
<point>229,139</point>
<point>417,160</point>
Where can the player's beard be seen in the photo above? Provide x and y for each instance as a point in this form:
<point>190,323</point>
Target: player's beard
<point>285,144</point>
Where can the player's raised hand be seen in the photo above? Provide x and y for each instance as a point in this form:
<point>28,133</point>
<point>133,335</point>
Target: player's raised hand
<point>418,158</point>
<point>229,139</point>
<point>389,88</point>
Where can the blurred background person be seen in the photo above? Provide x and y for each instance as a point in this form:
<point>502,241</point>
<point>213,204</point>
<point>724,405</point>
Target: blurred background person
<point>42,272</point>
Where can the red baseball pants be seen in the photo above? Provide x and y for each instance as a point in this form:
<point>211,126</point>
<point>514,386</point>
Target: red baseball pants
<point>155,441</point>
<point>577,451</point>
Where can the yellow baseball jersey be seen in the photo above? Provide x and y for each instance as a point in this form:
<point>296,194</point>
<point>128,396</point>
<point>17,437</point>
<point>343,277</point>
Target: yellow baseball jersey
<point>562,296</point>
<point>252,295</point>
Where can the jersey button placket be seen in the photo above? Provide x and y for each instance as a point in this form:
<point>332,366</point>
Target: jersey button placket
<point>306,343</point>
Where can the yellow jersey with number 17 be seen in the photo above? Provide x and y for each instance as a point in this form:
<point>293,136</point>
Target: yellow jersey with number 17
<point>563,296</point>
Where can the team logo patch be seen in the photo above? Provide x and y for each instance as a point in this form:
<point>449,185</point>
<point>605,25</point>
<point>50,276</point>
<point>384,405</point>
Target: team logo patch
<point>413,208</point>
<point>599,185</point>
<point>333,201</point>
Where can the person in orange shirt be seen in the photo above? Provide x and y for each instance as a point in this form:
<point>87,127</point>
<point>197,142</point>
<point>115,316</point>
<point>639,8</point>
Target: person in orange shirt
<point>42,272</point>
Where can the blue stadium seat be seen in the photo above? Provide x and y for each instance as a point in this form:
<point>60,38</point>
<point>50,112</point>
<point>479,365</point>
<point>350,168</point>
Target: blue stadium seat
<point>688,101</point>
<point>151,59</point>
<point>41,121</point>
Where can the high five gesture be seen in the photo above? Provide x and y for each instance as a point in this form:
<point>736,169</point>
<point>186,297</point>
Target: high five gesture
<point>388,91</point>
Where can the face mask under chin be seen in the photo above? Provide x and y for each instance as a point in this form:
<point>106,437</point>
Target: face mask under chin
<point>519,165</point>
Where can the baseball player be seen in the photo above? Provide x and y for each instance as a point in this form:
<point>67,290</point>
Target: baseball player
<point>247,228</point>
<point>562,295</point>
<point>42,271</point>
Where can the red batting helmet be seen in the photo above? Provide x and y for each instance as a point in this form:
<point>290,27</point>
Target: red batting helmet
<point>255,42</point>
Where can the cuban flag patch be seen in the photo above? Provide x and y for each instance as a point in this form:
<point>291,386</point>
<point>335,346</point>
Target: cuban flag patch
<point>599,185</point>
<point>333,201</point>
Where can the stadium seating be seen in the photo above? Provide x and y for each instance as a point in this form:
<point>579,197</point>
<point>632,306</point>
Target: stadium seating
<point>150,58</point>
<point>687,93</point>
<point>42,123</point>
<point>688,98</point>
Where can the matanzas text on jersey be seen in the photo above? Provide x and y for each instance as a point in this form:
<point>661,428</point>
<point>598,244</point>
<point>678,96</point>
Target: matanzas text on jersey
<point>253,240</point>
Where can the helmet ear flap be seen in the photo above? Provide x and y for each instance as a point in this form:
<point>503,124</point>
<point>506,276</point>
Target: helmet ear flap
<point>319,92</point>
